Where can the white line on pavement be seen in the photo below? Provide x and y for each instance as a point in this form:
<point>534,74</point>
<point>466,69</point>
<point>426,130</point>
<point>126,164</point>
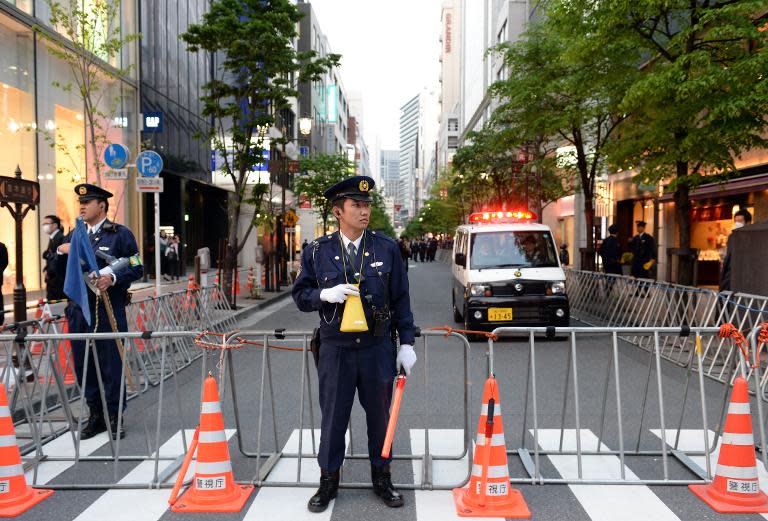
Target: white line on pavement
<point>144,505</point>
<point>63,447</point>
<point>438,504</point>
<point>290,503</point>
<point>604,502</point>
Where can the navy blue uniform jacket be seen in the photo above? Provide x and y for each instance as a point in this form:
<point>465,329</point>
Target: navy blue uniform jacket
<point>384,282</point>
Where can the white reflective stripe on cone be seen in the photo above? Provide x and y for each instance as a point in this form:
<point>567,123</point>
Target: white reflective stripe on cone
<point>726,471</point>
<point>210,407</point>
<point>738,408</point>
<point>211,436</point>
<point>496,410</point>
<point>8,441</point>
<point>497,440</point>
<point>9,471</point>
<point>494,471</point>
<point>738,439</point>
<point>4,410</point>
<point>219,467</point>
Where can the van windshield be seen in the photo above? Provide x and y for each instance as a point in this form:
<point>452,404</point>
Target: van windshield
<point>512,249</point>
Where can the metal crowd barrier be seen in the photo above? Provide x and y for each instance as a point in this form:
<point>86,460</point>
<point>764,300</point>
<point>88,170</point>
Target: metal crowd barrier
<point>620,412</point>
<point>601,299</point>
<point>46,407</point>
<point>286,355</point>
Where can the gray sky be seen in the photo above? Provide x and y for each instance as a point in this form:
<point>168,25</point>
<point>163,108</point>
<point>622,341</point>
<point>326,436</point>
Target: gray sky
<point>390,51</point>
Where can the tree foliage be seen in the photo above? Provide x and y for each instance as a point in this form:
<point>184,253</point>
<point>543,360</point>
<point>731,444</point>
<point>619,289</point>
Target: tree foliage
<point>322,172</point>
<point>257,73</point>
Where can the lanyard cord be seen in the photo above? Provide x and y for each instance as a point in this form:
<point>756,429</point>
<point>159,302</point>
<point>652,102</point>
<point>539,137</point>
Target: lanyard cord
<point>344,256</point>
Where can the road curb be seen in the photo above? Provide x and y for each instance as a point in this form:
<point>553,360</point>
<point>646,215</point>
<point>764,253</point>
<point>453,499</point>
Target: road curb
<point>250,310</point>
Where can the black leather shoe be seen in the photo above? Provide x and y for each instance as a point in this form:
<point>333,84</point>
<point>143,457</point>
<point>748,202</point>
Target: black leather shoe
<point>382,486</point>
<point>94,426</point>
<point>113,428</point>
<point>329,486</point>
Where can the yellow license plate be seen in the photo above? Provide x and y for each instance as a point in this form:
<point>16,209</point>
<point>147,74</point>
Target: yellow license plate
<point>499,314</point>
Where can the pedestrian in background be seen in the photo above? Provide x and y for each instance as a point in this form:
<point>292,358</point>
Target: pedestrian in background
<point>172,257</point>
<point>3,265</point>
<point>55,265</point>
<point>643,248</point>
<point>163,257</point>
<point>740,219</point>
<point>565,257</point>
<point>610,251</point>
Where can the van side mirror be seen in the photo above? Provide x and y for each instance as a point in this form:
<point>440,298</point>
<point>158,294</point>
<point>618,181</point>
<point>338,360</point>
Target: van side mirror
<point>461,259</point>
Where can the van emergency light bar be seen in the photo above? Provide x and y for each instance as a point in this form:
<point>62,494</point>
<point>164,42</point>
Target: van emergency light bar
<point>500,217</point>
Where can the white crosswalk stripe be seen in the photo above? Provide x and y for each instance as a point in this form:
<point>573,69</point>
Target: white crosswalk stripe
<point>438,504</point>
<point>692,440</point>
<point>605,502</point>
<point>121,505</point>
<point>290,503</point>
<point>64,447</point>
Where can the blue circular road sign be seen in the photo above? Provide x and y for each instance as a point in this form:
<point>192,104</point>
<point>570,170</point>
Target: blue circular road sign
<point>116,155</point>
<point>149,163</point>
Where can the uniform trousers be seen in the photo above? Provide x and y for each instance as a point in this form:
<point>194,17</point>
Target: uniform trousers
<point>343,370</point>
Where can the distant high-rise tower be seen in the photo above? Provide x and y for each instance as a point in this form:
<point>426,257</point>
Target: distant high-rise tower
<point>409,156</point>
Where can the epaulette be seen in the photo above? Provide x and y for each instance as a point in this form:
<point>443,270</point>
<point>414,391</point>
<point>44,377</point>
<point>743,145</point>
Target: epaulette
<point>110,226</point>
<point>382,236</point>
<point>324,238</point>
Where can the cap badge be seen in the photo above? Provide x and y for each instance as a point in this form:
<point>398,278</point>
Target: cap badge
<point>82,190</point>
<point>518,273</point>
<point>363,186</point>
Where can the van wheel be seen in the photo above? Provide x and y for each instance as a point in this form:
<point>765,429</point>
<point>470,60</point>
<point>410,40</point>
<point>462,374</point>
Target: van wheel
<point>471,337</point>
<point>456,315</point>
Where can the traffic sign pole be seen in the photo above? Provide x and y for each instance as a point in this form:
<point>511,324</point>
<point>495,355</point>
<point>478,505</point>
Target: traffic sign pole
<point>157,244</point>
<point>150,164</point>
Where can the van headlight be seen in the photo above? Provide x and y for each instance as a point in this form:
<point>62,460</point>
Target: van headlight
<point>557,287</point>
<point>478,290</point>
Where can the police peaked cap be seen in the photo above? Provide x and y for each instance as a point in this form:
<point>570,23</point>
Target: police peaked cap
<point>87,192</point>
<point>357,188</point>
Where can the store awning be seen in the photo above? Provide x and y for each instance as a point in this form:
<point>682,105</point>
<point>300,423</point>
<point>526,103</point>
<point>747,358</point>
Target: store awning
<point>743,185</point>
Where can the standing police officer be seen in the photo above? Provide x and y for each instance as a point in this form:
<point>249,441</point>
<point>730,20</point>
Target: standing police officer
<point>643,252</point>
<point>331,268</point>
<point>116,241</point>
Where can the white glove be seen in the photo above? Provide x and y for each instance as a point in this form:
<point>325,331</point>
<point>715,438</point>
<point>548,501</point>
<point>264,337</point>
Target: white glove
<point>338,294</point>
<point>406,358</point>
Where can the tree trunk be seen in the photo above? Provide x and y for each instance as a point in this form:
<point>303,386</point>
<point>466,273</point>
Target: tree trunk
<point>683,217</point>
<point>230,255</point>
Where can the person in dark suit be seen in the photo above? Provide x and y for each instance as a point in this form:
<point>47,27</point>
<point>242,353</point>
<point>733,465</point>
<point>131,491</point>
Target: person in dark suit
<point>55,264</point>
<point>643,249</point>
<point>740,219</point>
<point>610,251</point>
<point>355,261</point>
<point>116,241</point>
<point>3,265</point>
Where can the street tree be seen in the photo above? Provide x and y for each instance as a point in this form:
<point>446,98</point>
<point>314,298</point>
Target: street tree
<point>701,99</point>
<point>92,53</point>
<point>322,171</point>
<point>257,72</point>
<point>559,98</point>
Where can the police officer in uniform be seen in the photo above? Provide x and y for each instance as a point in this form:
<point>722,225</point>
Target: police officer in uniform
<point>116,241</point>
<point>643,249</point>
<point>610,251</point>
<point>366,362</point>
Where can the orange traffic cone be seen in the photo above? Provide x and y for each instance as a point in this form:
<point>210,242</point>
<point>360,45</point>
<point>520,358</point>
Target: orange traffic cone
<point>735,489</point>
<point>36,347</point>
<point>489,493</point>
<point>249,281</point>
<point>214,488</point>
<point>16,497</point>
<point>191,288</point>
<point>66,364</point>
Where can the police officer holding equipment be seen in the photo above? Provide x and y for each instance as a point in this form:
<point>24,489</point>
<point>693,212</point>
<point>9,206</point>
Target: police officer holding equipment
<point>356,279</point>
<point>643,249</point>
<point>117,255</point>
<point>54,265</point>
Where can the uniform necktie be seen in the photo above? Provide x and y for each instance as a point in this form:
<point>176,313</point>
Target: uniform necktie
<point>352,256</point>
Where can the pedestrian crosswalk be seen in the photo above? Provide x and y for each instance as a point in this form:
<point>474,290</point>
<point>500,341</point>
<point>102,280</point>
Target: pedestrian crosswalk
<point>633,502</point>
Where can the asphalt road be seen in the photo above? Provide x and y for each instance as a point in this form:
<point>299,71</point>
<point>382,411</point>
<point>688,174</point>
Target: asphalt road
<point>434,399</point>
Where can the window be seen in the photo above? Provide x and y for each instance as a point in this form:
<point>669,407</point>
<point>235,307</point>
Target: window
<point>507,249</point>
<point>453,142</point>
<point>453,125</point>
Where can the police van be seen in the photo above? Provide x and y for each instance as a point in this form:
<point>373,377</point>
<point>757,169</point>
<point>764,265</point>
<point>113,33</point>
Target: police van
<point>506,273</point>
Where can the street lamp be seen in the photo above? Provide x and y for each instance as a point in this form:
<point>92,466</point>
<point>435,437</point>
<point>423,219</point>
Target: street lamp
<point>305,126</point>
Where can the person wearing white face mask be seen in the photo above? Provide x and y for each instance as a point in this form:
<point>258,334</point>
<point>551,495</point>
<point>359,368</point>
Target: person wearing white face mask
<point>55,265</point>
<point>740,219</point>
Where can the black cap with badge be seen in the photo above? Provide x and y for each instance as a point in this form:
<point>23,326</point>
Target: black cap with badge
<point>87,192</point>
<point>357,188</point>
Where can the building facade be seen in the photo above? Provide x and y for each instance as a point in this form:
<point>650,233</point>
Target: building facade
<point>43,125</point>
<point>410,114</point>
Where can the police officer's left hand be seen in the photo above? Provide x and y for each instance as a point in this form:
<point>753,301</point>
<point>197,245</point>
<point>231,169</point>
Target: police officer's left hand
<point>406,358</point>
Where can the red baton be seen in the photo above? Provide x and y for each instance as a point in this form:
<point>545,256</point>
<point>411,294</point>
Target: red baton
<point>393,413</point>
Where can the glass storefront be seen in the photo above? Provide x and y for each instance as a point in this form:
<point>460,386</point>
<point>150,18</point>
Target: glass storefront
<point>43,128</point>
